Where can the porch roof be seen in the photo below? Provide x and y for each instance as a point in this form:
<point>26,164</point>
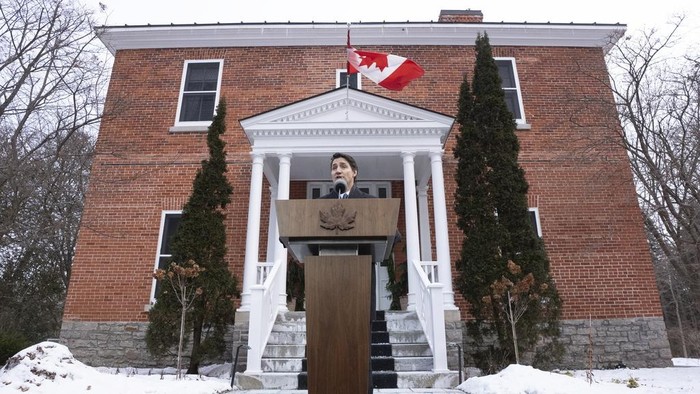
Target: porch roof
<point>372,128</point>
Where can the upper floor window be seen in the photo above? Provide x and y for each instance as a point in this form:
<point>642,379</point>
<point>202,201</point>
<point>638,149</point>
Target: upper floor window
<point>342,80</point>
<point>199,91</point>
<point>511,87</point>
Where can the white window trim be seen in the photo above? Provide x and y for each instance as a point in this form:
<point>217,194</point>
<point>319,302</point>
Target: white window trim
<point>339,71</point>
<point>521,123</point>
<point>196,126</point>
<point>537,220</point>
<point>158,255</point>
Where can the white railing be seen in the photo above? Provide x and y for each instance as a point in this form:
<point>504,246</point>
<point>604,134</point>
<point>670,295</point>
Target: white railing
<point>264,301</point>
<point>431,270</point>
<point>263,272</point>
<point>431,312</point>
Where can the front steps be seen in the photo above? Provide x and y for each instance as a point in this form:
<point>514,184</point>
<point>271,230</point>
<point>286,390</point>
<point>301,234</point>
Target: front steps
<point>402,344</point>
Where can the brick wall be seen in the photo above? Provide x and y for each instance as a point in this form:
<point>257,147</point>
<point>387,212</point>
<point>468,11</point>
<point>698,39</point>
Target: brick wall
<point>591,224</point>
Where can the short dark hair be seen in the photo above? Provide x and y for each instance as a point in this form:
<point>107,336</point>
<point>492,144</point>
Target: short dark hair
<point>350,160</point>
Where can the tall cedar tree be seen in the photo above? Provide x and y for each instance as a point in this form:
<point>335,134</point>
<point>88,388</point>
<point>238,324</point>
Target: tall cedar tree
<point>201,237</point>
<point>492,211</point>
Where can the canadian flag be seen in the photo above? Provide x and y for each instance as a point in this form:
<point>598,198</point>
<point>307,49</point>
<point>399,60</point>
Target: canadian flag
<point>389,71</point>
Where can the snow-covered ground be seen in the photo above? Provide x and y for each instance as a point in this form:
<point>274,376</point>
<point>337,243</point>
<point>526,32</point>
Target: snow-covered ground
<point>51,368</point>
<point>520,379</point>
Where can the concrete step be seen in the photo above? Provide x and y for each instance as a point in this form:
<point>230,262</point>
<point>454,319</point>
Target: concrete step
<point>407,337</point>
<point>404,354</point>
<point>284,351</point>
<point>423,379</point>
<point>405,364</point>
<point>403,321</point>
<point>281,365</point>
<point>267,381</point>
<point>411,350</point>
<point>287,337</point>
<point>380,380</point>
<point>290,381</point>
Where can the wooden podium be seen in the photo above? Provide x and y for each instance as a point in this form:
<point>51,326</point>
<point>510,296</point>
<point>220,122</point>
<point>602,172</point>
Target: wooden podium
<point>337,240</point>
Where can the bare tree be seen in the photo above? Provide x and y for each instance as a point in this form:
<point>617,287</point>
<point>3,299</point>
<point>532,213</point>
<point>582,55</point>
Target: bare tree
<point>656,89</point>
<point>53,77</point>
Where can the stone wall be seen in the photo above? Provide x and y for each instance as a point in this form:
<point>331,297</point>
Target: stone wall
<point>122,344</point>
<point>633,343</point>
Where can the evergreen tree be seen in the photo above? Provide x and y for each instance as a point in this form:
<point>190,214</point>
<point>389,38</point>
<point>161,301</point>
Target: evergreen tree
<point>201,238</point>
<point>500,247</point>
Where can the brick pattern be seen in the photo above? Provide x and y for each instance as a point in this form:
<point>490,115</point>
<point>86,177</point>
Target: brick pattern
<point>461,16</point>
<point>591,224</point>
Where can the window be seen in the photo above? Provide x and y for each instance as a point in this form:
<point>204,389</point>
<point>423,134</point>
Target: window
<point>169,222</point>
<point>379,189</point>
<point>511,87</point>
<point>199,92</point>
<point>535,221</point>
<point>341,79</point>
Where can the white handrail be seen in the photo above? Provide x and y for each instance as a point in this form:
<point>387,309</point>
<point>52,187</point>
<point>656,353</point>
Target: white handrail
<point>431,314</point>
<point>263,313</point>
<point>263,272</point>
<point>431,270</point>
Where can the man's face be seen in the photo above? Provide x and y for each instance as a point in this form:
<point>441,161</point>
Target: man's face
<point>340,168</point>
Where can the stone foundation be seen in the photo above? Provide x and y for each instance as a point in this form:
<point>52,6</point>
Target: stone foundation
<point>634,343</point>
<point>118,344</point>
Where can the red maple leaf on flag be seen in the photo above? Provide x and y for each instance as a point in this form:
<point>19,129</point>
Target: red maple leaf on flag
<point>381,60</point>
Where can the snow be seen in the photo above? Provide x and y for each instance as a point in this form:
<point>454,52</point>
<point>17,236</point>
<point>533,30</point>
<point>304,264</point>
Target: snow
<point>51,368</point>
<point>520,379</point>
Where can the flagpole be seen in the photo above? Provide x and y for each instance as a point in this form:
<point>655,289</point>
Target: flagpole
<point>347,77</point>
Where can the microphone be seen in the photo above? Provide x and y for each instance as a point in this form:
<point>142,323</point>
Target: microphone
<point>340,186</point>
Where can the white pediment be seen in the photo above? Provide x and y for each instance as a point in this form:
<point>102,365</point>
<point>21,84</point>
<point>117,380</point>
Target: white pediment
<point>339,117</point>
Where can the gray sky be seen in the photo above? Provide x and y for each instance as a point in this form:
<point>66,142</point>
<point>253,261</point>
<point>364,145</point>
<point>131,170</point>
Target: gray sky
<point>636,14</point>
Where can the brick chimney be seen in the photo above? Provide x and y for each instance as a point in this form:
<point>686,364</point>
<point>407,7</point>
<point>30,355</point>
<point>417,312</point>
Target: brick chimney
<point>461,16</point>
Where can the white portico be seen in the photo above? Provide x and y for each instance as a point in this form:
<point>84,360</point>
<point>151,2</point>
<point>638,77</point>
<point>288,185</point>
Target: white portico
<point>391,141</point>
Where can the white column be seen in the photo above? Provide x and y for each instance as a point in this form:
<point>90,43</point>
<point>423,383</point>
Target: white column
<point>424,224</point>
<point>252,243</point>
<point>272,227</point>
<point>442,240</point>
<point>280,250</point>
<point>411,212</point>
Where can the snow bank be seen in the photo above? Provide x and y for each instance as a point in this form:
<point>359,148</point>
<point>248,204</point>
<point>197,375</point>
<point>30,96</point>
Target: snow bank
<point>522,379</point>
<point>51,368</point>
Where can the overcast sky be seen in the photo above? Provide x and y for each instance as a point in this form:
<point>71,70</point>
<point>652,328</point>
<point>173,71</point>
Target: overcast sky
<point>635,13</point>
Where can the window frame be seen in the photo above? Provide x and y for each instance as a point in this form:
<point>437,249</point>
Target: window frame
<point>325,187</point>
<point>185,67</point>
<point>517,89</point>
<point>538,224</point>
<point>163,216</point>
<point>339,72</point>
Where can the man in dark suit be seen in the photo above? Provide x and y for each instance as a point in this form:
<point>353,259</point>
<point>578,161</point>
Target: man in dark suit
<point>344,171</point>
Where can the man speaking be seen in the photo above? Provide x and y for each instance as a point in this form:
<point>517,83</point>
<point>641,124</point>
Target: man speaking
<point>343,174</point>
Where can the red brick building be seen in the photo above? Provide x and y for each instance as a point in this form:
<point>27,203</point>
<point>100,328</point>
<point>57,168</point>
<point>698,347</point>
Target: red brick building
<point>285,118</point>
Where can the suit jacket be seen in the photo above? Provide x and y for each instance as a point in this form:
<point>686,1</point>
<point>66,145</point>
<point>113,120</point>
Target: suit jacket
<point>354,193</point>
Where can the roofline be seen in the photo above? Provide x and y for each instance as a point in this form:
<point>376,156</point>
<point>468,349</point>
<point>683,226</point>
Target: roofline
<point>343,88</point>
<point>117,38</point>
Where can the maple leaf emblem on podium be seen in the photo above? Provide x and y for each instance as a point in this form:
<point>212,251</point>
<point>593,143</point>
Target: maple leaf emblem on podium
<point>337,218</point>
